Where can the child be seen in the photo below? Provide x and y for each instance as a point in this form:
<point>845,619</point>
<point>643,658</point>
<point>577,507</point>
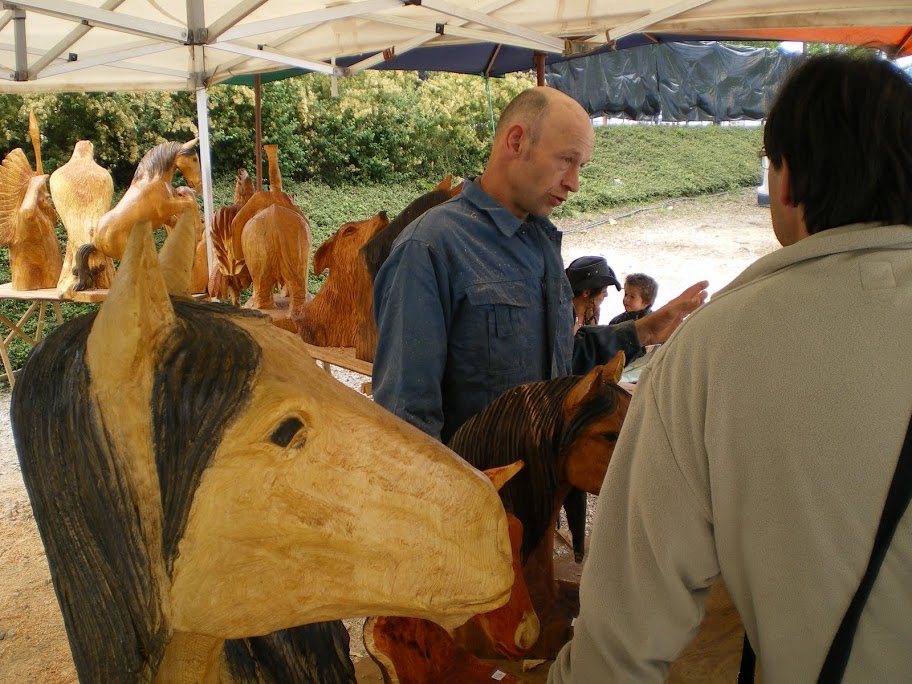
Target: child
<point>639,295</point>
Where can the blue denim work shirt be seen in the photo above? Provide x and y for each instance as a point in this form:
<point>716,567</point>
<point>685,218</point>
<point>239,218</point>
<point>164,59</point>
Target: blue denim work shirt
<point>470,302</point>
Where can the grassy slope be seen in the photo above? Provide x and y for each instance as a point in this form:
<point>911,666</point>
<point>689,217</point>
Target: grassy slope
<point>630,165</point>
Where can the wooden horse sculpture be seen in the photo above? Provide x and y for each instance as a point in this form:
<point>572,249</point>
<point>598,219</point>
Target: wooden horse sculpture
<point>150,197</point>
<point>272,237</point>
<point>203,481</point>
<point>415,651</point>
<point>230,275</point>
<point>374,253</point>
<point>27,225</point>
<point>565,430</point>
<point>82,192</point>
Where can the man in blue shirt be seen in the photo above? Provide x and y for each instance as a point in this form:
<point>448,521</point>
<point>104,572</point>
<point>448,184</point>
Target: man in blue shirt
<point>473,298</point>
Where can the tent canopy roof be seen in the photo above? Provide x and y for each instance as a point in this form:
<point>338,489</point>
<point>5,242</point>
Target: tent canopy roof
<point>92,45</point>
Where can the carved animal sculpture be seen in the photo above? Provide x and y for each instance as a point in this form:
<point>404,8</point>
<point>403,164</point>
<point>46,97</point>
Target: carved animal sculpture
<point>374,253</point>
<point>27,225</point>
<point>413,651</point>
<point>410,651</point>
<point>276,243</point>
<point>150,197</point>
<point>82,192</point>
<point>272,237</point>
<point>565,429</point>
<point>330,318</point>
<point>230,275</point>
<point>203,480</point>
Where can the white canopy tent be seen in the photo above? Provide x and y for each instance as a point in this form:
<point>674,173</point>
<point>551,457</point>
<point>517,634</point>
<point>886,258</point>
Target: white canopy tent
<point>107,45</point>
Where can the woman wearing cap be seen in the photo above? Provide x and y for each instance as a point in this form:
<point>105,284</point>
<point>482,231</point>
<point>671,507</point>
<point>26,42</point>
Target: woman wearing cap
<point>589,278</point>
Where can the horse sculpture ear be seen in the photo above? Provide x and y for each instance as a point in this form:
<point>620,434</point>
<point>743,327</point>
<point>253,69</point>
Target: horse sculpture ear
<point>133,317</point>
<point>176,256</point>
<point>614,369</point>
<point>589,386</point>
<point>503,474</point>
<point>189,145</point>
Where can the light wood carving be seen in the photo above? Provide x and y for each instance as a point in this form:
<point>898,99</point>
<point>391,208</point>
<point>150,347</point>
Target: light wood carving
<point>27,225</point>
<point>330,319</point>
<point>204,480</point>
<point>150,197</point>
<point>230,275</point>
<point>82,192</point>
<point>272,237</point>
<point>374,253</point>
<point>415,651</point>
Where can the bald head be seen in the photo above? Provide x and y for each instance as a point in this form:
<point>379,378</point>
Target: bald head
<point>533,106</point>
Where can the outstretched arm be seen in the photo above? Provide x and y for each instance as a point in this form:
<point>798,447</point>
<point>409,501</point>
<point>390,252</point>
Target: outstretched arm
<point>657,327</point>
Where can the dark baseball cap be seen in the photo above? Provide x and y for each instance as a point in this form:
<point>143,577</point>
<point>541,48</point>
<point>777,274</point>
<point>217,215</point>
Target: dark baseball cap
<point>590,273</point>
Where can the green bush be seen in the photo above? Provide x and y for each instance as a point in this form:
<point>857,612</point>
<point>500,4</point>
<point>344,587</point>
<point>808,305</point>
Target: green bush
<point>639,164</point>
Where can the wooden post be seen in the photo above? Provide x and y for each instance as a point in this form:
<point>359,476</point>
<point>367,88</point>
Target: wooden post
<point>258,128</point>
<point>540,67</point>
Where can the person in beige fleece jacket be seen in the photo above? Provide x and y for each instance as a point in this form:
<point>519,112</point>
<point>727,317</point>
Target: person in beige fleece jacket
<point>763,437</point>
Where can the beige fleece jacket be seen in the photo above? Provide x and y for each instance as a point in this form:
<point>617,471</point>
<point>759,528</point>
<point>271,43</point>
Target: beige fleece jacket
<point>760,444</point>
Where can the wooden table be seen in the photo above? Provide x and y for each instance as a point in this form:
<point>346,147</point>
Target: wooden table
<point>327,357</point>
<point>40,299</point>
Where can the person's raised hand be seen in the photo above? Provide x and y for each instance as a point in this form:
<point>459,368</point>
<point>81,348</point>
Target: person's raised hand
<point>656,327</point>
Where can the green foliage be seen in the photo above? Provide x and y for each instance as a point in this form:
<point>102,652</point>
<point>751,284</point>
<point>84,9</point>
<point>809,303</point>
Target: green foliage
<point>394,127</point>
<point>639,164</point>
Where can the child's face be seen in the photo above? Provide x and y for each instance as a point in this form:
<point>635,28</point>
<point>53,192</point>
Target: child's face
<point>633,299</point>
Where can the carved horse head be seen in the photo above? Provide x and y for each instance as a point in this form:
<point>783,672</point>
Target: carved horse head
<point>202,479</point>
<point>564,429</point>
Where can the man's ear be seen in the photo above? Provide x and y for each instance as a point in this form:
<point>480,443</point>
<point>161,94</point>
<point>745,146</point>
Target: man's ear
<point>514,138</point>
<point>786,197</point>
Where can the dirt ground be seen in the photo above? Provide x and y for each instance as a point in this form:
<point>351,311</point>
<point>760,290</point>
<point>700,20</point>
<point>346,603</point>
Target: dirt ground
<point>678,243</point>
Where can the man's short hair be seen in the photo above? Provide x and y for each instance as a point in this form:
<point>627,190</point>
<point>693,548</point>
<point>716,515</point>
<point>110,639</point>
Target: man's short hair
<point>529,107</point>
<point>843,122</point>
<point>647,286</point>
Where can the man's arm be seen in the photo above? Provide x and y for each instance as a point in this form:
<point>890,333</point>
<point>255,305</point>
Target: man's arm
<point>412,345</point>
<point>651,562</point>
<point>597,344</point>
<point>656,327</point>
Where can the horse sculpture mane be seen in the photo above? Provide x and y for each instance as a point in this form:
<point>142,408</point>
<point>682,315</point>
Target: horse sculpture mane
<point>72,459</point>
<point>160,160</point>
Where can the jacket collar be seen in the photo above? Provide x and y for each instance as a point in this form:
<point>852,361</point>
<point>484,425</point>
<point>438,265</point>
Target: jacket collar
<point>851,238</point>
<point>506,222</point>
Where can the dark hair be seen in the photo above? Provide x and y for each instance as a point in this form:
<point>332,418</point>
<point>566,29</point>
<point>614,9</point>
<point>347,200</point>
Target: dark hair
<point>843,122</point>
<point>647,286</point>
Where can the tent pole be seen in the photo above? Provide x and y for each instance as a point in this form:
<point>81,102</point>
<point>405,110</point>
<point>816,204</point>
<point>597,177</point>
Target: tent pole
<point>202,117</point>
<point>258,129</point>
<point>490,103</point>
<point>540,68</point>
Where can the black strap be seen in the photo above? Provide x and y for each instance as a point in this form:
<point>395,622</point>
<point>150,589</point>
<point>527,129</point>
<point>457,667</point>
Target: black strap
<point>837,659</point>
<point>748,663</point>
<point>897,502</point>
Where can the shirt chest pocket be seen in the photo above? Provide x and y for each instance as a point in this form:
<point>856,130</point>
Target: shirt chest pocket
<point>509,321</point>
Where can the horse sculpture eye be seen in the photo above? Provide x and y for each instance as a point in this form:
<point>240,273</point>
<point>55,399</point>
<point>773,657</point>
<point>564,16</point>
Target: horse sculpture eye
<point>283,434</point>
<point>611,437</point>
